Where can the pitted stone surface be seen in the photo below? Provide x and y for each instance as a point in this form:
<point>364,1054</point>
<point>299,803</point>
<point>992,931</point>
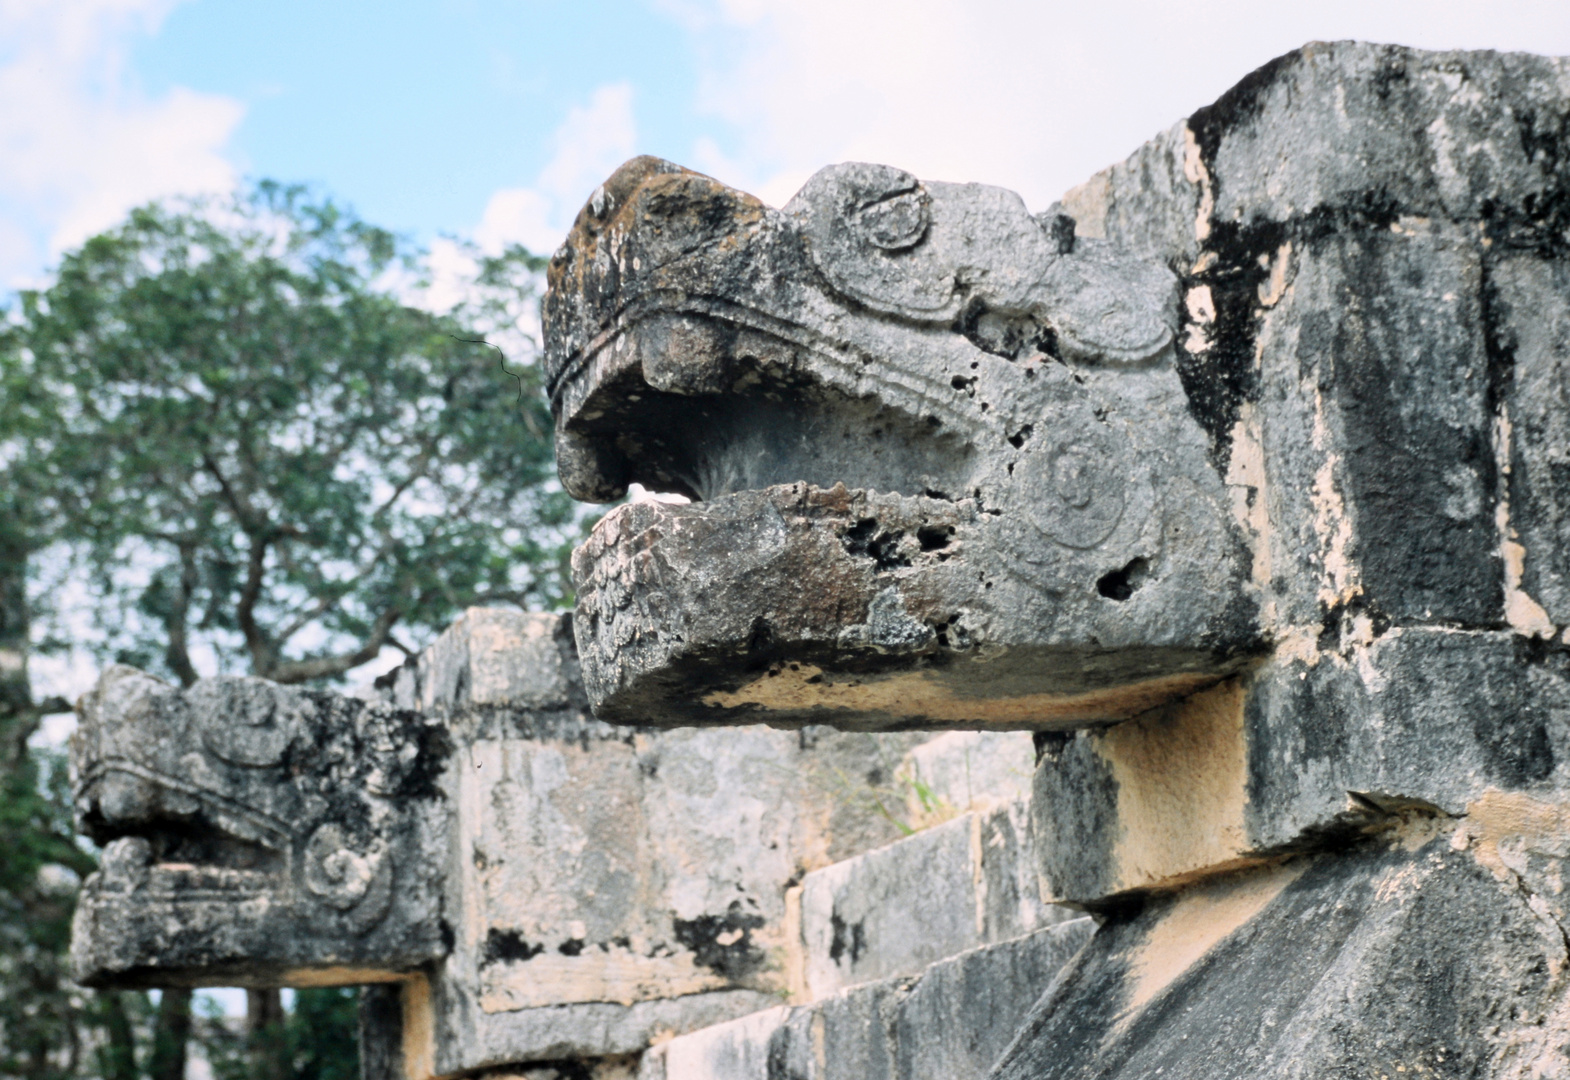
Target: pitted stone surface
<point>797,605</point>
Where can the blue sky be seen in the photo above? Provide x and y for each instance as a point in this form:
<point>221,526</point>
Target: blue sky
<point>418,116</point>
<point>492,120</point>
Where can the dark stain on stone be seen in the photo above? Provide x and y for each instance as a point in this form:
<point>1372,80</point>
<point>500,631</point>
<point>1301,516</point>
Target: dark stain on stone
<point>1336,621</point>
<point>1515,743</point>
<point>504,945</point>
<point>845,938</point>
<point>723,943</point>
<point>1219,379</point>
<point>423,779</point>
<point>1238,106</point>
<point>1050,744</point>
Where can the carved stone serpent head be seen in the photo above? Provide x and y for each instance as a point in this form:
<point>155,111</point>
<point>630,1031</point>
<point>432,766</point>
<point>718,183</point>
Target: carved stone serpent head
<point>252,834</point>
<point>941,468</point>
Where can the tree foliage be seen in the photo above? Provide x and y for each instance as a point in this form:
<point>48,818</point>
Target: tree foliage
<point>259,445</point>
<point>314,1040</point>
<point>257,456</point>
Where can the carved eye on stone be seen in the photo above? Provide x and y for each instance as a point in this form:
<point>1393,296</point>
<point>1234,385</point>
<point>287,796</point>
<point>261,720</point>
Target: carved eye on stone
<point>869,228</point>
<point>341,876</point>
<point>242,721</point>
<point>897,222</point>
<point>1078,490</point>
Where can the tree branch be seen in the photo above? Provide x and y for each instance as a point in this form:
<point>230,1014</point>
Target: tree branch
<point>177,653</point>
<point>256,642</point>
<point>323,667</point>
<point>239,505</point>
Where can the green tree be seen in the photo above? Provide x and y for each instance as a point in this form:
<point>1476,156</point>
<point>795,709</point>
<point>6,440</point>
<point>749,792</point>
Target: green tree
<point>266,450</point>
<point>48,1028</point>
<point>307,1043</point>
<point>261,459</point>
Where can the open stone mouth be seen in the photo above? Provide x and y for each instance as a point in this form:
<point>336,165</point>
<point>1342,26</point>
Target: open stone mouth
<point>933,443</point>
<point>159,835</point>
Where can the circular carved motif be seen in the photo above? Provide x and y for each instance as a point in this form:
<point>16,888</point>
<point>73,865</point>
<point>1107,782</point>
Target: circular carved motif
<point>896,222</point>
<point>1078,496</point>
<point>357,883</point>
<point>336,872</point>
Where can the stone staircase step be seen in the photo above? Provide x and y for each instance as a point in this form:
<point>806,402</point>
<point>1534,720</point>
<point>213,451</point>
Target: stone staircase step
<point>950,1022</point>
<point>897,909</point>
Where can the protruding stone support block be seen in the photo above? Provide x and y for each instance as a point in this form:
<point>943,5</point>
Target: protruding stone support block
<point>1306,751</point>
<point>797,605</point>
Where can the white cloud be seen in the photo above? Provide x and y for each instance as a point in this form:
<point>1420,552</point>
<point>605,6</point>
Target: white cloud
<point>1034,96</point>
<point>519,215</point>
<point>589,144</point>
<point>80,142</point>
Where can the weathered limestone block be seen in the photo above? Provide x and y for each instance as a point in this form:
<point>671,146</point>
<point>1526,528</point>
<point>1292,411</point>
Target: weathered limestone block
<point>950,1023</point>
<point>255,835</point>
<point>894,911</point>
<point>1437,953</point>
<point>1304,752</point>
<point>498,664</point>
